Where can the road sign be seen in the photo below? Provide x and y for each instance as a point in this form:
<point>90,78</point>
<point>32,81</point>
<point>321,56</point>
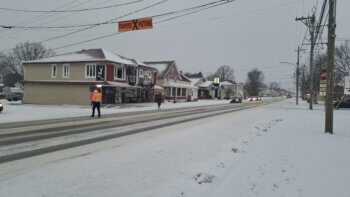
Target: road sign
<point>216,80</point>
<point>323,86</point>
<point>137,24</point>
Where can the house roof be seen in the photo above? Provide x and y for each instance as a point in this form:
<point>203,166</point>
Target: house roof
<point>184,78</point>
<point>161,66</point>
<point>89,55</point>
<point>226,83</point>
<point>206,84</point>
<point>194,81</point>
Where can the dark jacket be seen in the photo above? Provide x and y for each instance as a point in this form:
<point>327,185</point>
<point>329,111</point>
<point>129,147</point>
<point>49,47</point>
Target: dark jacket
<point>159,99</point>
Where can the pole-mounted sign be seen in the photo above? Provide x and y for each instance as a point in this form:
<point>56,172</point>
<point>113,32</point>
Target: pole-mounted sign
<point>136,24</point>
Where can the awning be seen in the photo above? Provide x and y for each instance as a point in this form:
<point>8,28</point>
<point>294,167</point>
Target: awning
<point>120,84</point>
<point>157,87</point>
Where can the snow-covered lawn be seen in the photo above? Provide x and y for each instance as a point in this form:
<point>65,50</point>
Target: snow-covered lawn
<point>274,150</point>
<point>16,111</point>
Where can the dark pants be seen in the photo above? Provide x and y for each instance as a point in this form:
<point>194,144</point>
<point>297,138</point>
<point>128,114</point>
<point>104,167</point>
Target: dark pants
<point>94,106</point>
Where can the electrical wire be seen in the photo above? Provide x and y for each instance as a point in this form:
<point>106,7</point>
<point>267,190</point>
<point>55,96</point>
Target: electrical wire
<point>80,30</point>
<point>113,22</point>
<point>113,34</point>
<point>48,15</point>
<point>78,10</point>
<point>41,16</point>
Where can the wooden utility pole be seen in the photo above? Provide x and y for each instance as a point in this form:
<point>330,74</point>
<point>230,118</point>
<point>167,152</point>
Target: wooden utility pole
<point>330,67</point>
<point>310,23</point>
<point>297,78</point>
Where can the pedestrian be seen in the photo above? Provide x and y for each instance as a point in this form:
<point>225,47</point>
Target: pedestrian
<point>96,103</point>
<point>159,100</point>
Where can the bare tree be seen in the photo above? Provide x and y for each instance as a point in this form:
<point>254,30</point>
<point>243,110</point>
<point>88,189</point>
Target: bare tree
<point>342,62</point>
<point>210,77</point>
<point>11,62</point>
<point>254,84</point>
<point>225,73</point>
<point>274,86</point>
<point>194,75</point>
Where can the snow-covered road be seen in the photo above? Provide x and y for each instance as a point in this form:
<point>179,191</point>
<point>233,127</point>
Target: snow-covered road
<point>274,150</point>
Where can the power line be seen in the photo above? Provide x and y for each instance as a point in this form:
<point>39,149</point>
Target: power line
<point>78,10</point>
<point>113,22</point>
<point>42,15</point>
<point>113,34</point>
<point>80,30</point>
<point>48,15</point>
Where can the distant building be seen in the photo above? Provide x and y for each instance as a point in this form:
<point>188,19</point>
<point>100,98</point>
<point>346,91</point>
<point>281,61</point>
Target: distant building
<point>206,90</point>
<point>71,78</point>
<point>176,86</point>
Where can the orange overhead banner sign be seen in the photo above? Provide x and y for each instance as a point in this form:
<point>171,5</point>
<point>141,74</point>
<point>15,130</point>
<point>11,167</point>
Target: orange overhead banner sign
<point>137,24</point>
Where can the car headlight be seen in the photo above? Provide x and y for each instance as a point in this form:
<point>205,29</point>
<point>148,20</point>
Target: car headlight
<point>0,105</point>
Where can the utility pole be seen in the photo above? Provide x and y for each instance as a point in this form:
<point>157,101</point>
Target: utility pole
<point>330,67</point>
<point>297,78</point>
<point>310,23</point>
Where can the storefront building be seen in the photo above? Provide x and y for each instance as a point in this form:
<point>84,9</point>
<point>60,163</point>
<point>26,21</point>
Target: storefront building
<point>71,78</point>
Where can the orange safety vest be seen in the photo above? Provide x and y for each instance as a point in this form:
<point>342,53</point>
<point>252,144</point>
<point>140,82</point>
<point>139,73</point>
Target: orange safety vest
<point>96,97</point>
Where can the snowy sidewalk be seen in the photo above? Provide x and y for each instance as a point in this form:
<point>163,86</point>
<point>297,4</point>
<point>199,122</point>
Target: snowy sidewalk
<point>15,111</point>
<point>274,150</point>
<point>295,158</point>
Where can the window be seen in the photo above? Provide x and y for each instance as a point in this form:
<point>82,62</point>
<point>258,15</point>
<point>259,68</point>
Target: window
<point>54,71</point>
<point>90,71</point>
<point>66,70</point>
<point>184,91</point>
<point>141,74</point>
<point>119,72</point>
<point>178,92</point>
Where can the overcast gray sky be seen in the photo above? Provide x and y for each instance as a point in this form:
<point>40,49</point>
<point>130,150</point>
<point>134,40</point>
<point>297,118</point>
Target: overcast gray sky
<point>244,34</point>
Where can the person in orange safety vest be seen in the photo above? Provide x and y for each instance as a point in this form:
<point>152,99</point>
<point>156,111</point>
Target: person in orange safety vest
<point>96,103</point>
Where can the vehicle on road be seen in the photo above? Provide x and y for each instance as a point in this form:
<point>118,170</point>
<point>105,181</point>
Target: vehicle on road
<point>13,94</point>
<point>1,107</point>
<point>254,98</point>
<point>236,99</point>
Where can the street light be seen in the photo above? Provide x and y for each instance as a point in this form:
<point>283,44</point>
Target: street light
<point>289,63</point>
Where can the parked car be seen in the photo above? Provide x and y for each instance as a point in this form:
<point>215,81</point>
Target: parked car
<point>14,94</point>
<point>236,99</point>
<point>254,98</point>
<point>1,107</point>
<point>344,103</point>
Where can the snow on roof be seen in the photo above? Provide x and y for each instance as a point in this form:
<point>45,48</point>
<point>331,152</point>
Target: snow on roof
<point>115,57</point>
<point>161,66</point>
<point>138,62</point>
<point>194,81</point>
<point>119,84</point>
<point>85,56</point>
<point>206,84</point>
<point>226,83</point>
